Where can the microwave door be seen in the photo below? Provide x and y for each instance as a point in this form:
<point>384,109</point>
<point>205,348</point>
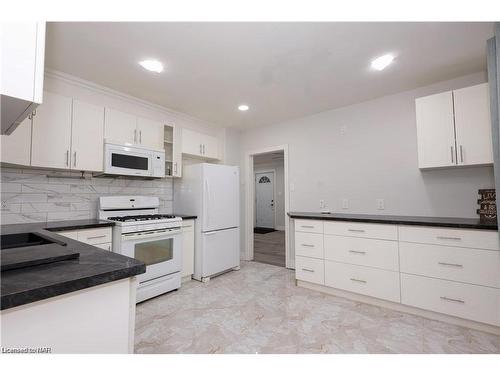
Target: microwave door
<point>128,163</point>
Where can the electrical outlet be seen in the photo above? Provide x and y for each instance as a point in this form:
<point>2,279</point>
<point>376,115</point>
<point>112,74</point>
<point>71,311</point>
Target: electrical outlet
<point>343,130</point>
<point>345,204</point>
<point>380,204</point>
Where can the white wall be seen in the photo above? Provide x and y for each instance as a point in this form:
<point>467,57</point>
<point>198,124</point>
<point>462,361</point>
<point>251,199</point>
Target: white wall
<point>375,158</point>
<point>279,179</point>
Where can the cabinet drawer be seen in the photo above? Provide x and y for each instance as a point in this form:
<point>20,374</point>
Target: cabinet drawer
<point>363,280</point>
<point>354,229</point>
<point>73,234</point>
<point>466,301</point>
<point>451,263</point>
<point>309,244</point>
<point>104,246</point>
<point>311,226</point>
<point>477,239</point>
<point>95,235</point>
<point>310,269</point>
<point>362,251</point>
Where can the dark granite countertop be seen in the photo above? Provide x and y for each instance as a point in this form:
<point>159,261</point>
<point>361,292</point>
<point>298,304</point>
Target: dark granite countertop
<point>449,222</point>
<point>186,217</point>
<point>94,266</point>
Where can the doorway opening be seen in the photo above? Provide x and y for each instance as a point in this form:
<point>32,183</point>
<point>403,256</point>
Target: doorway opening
<point>269,208</point>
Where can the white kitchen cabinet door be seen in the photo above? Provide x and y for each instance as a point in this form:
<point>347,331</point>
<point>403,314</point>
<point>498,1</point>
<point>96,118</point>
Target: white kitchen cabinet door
<point>177,151</point>
<point>120,127</point>
<point>191,143</point>
<point>22,60</point>
<point>210,147</point>
<point>473,125</point>
<point>187,248</point>
<point>435,131</point>
<point>51,132</point>
<point>16,147</point>
<point>87,138</point>
<point>150,133</point>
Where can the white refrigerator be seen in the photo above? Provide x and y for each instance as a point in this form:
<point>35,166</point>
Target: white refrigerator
<point>211,192</point>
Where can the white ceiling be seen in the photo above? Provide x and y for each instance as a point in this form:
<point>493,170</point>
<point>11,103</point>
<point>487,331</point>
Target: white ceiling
<point>281,70</point>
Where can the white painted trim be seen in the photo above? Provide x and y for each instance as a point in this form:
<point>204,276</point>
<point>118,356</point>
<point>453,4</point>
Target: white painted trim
<point>55,74</point>
<point>273,171</point>
<point>400,307</point>
<point>249,204</point>
<point>280,227</point>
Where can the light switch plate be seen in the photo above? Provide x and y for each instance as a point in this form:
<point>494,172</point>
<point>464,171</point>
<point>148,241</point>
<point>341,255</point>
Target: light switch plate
<point>380,204</point>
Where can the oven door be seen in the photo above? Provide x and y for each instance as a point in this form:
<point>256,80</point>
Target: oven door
<point>159,249</point>
<point>123,160</point>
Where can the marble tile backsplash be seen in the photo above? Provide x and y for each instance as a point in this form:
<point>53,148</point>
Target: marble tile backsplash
<point>30,195</point>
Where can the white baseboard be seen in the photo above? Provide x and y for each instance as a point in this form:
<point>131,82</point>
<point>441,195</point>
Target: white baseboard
<point>279,227</point>
<point>403,308</point>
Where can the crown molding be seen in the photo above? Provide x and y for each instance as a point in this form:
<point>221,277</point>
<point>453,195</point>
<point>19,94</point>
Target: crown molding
<point>58,75</point>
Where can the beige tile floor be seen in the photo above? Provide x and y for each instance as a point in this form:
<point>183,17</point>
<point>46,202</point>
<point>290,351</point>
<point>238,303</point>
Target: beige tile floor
<point>260,310</point>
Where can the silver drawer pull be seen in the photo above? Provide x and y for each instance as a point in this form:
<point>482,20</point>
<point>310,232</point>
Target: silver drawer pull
<point>307,245</point>
<point>307,270</point>
<point>359,281</point>
<point>307,226</point>
<point>357,252</point>
<point>452,299</point>
<point>451,264</point>
<point>96,237</point>
<point>357,230</point>
<point>448,238</point>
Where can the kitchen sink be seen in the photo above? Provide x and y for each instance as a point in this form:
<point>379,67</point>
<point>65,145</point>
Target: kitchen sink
<point>11,241</point>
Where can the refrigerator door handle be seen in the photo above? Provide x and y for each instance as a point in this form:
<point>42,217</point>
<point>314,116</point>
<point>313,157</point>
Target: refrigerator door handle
<point>207,192</point>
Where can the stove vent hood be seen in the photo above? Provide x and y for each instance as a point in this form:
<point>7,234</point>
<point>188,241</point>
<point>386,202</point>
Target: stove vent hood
<point>22,69</point>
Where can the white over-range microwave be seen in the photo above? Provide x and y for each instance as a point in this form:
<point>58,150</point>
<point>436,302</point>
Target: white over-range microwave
<point>133,161</point>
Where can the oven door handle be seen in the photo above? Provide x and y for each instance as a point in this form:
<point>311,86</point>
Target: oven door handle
<point>151,234</point>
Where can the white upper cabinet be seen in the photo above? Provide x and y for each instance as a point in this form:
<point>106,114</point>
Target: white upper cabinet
<point>120,127</point>
<point>454,129</point>
<point>149,133</point>
<point>199,145</point>
<point>51,134</point>
<point>87,137</point>
<point>16,147</point>
<point>125,128</point>
<point>435,131</point>
<point>473,125</point>
<point>22,52</point>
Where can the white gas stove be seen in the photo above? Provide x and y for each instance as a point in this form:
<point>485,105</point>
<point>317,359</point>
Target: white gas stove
<point>141,232</point>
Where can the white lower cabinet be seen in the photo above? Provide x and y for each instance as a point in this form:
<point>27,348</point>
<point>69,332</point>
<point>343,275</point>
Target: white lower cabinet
<point>466,301</point>
<point>369,281</point>
<point>98,237</point>
<point>310,269</point>
<point>450,271</point>
<point>187,248</point>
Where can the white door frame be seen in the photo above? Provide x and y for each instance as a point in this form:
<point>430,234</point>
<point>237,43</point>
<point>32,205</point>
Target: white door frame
<point>273,171</point>
<point>250,200</point>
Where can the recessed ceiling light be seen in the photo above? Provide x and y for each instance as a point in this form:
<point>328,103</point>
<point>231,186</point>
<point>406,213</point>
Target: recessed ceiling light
<point>243,107</point>
<point>152,65</point>
<point>382,62</point>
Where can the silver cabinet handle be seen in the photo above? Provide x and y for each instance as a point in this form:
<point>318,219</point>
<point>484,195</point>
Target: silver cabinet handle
<point>201,150</point>
<point>307,270</point>
<point>356,230</point>
<point>448,238</point>
<point>67,158</point>
<point>461,154</point>
<point>451,264</point>
<point>357,252</point>
<point>135,135</point>
<point>452,299</point>
<point>74,159</point>
<point>452,157</point>
<point>175,167</point>
<point>358,280</point>
<point>96,237</point>
<point>140,136</point>
<point>307,226</point>
<point>307,245</point>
